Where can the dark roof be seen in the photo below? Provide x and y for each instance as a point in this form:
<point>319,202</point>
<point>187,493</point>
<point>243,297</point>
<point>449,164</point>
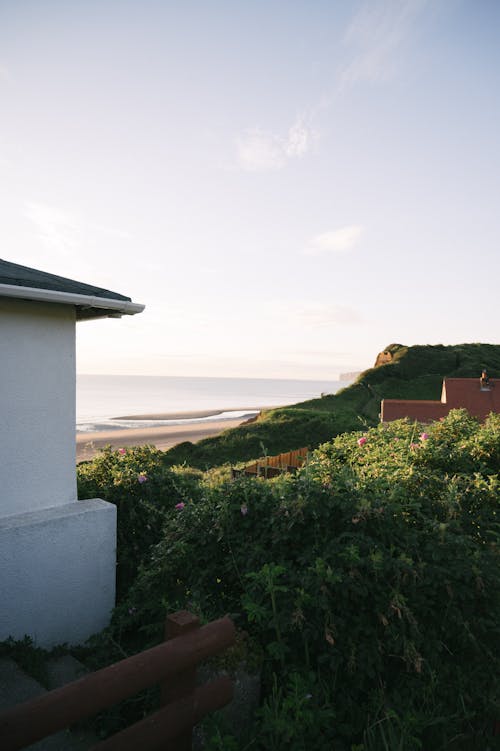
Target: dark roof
<point>23,276</point>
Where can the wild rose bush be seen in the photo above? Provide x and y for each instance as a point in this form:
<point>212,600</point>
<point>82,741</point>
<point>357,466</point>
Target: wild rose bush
<point>142,488</point>
<point>371,579</point>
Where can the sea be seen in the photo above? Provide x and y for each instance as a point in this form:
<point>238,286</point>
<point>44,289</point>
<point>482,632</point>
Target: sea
<point>101,399</point>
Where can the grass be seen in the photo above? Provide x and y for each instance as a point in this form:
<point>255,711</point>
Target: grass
<point>413,373</point>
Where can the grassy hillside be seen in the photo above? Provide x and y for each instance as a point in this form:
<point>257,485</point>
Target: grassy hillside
<point>412,373</point>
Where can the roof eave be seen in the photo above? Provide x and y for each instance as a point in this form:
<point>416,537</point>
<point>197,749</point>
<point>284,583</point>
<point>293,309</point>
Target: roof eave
<point>89,306</point>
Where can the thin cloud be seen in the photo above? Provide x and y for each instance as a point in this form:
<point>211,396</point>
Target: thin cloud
<point>328,315</point>
<point>64,232</point>
<point>306,315</point>
<point>261,151</point>
<point>299,140</point>
<point>65,243</point>
<point>375,35</point>
<point>4,73</point>
<point>258,151</point>
<point>373,39</point>
<point>58,230</point>
<point>335,241</point>
<point>120,234</point>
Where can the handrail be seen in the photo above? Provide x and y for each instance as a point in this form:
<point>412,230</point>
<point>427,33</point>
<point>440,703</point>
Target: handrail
<point>172,720</point>
<point>87,696</point>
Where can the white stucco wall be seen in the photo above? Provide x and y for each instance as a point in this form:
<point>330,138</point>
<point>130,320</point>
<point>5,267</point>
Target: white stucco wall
<point>37,406</point>
<point>57,572</point>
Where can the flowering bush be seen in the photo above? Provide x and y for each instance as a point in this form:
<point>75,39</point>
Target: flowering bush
<point>144,491</point>
<point>371,579</point>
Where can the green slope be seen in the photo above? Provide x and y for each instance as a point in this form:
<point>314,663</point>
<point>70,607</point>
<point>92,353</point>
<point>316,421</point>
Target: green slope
<point>412,373</point>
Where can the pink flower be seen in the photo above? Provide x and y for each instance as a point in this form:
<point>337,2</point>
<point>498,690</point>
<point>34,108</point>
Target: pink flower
<point>424,436</point>
<point>244,509</point>
<point>142,478</point>
<point>414,446</point>
<point>362,441</point>
<point>180,506</point>
<point>122,451</point>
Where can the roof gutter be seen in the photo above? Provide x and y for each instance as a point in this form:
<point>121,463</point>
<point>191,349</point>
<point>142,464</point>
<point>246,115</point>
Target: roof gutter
<point>116,307</point>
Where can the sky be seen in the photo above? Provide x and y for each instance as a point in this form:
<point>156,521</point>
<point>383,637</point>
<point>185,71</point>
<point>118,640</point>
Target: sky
<point>288,185</point>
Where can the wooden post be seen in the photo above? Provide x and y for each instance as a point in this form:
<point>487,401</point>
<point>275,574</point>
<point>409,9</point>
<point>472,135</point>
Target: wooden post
<point>29,722</point>
<point>183,684</point>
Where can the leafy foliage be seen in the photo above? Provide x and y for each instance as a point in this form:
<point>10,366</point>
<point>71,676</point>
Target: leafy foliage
<point>370,580</point>
<point>143,489</point>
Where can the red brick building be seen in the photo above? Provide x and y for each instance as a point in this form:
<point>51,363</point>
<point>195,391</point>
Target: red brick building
<point>456,393</point>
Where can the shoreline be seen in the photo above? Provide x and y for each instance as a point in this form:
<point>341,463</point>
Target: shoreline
<point>163,437</point>
<point>198,414</point>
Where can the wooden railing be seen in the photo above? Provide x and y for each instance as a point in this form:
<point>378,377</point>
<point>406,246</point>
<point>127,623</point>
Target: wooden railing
<point>171,664</point>
<point>270,466</point>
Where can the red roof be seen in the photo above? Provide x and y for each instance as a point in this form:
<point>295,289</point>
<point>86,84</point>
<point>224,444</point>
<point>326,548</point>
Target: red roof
<point>456,393</point>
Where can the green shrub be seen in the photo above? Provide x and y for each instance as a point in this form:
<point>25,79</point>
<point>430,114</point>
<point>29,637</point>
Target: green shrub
<point>371,581</point>
<point>143,490</point>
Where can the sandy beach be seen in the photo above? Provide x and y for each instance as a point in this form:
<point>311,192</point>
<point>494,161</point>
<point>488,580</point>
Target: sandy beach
<point>163,436</point>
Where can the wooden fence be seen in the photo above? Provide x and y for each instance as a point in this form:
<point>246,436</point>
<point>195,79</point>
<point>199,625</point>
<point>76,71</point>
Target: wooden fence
<point>171,664</point>
<point>270,466</point>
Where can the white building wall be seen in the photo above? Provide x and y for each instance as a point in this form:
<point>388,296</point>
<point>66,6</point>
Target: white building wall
<point>57,554</point>
<point>37,405</point>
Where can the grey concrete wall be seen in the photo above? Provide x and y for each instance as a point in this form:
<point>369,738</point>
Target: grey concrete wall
<point>57,572</point>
